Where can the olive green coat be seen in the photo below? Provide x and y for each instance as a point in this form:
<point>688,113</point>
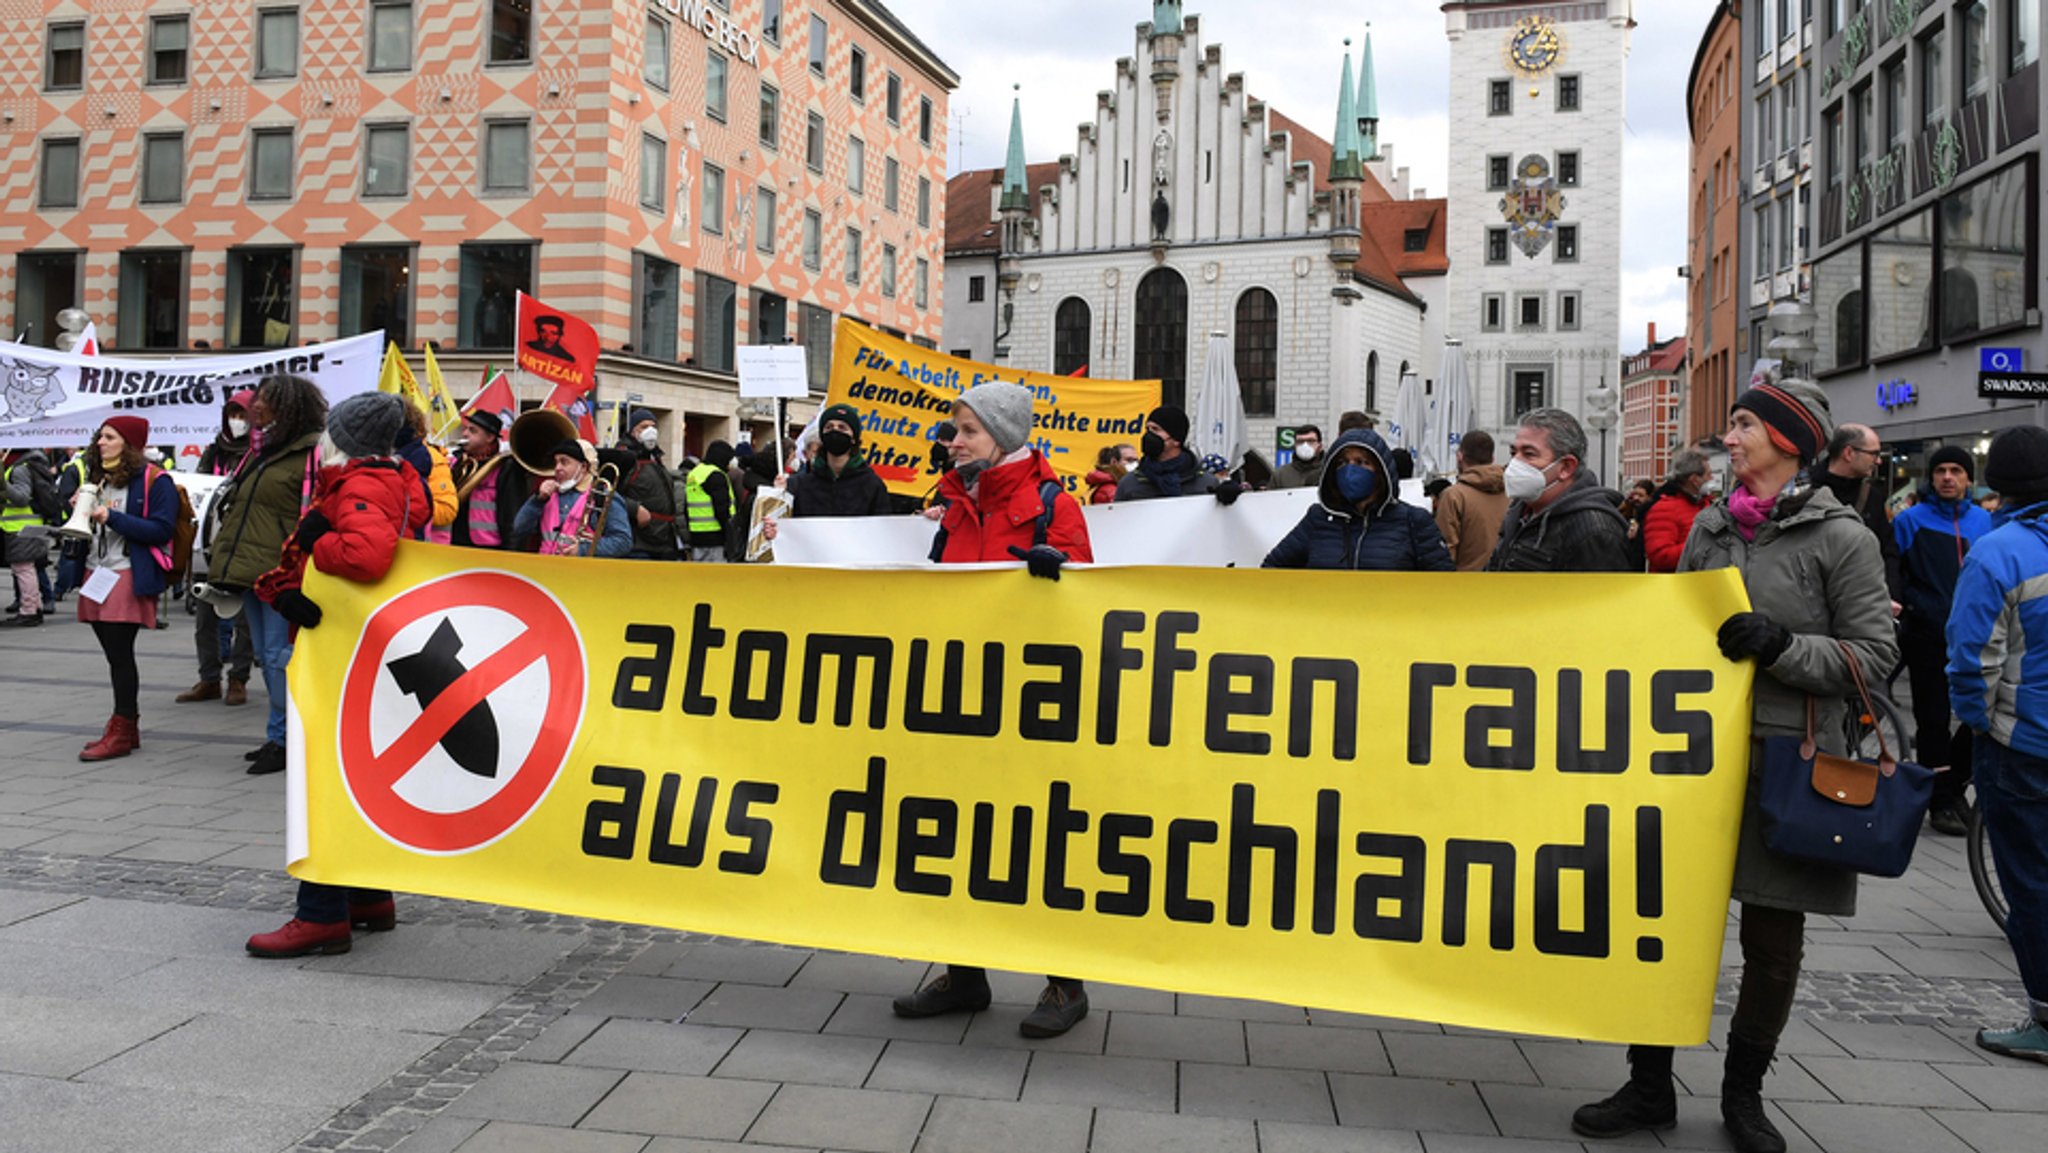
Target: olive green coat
<point>259,513</point>
<point>1815,569</point>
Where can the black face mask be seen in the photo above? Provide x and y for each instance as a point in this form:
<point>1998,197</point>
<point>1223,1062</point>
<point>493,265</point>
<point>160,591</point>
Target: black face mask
<point>1153,446</point>
<point>836,442</point>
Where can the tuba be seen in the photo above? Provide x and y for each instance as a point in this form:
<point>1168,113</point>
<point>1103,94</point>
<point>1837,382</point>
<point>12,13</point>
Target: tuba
<point>534,435</point>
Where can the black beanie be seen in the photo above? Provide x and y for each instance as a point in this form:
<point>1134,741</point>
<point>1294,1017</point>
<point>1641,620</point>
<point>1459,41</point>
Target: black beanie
<point>1173,420</point>
<point>1953,454</point>
<point>2017,466</point>
<point>718,454</point>
<point>845,412</point>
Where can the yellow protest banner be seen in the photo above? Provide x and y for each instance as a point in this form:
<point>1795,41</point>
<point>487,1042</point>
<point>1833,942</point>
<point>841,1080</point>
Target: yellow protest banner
<point>904,391</point>
<point>1479,800</point>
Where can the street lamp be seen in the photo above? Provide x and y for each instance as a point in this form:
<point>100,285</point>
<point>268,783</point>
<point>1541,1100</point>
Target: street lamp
<point>1600,416</point>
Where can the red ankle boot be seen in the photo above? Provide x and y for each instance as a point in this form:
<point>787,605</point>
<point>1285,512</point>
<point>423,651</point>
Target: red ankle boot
<point>300,939</point>
<point>373,916</point>
<point>120,739</point>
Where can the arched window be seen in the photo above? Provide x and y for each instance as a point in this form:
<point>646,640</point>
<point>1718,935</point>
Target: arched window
<point>1070,338</point>
<point>1258,351</point>
<point>1372,382</point>
<point>1161,346</point>
<point>1849,329</point>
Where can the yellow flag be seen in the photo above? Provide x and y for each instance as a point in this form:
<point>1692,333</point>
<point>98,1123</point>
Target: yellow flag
<point>443,414</point>
<point>397,379</point>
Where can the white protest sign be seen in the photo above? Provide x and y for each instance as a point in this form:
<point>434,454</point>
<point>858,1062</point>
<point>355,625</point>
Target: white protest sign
<point>773,370</point>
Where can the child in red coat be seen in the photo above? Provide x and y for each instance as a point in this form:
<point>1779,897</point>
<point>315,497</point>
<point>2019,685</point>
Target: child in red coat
<point>366,500</point>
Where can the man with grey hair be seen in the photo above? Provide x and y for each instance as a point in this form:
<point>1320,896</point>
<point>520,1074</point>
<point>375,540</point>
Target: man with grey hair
<point>1669,521</point>
<point>1561,518</point>
<point>1853,455</point>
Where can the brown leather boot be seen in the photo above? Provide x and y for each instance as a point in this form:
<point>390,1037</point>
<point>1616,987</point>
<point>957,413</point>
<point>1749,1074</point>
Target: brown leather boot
<point>203,691</point>
<point>238,693</point>
<point>119,740</point>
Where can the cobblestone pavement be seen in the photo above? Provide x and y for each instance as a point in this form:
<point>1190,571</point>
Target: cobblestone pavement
<point>129,1017</point>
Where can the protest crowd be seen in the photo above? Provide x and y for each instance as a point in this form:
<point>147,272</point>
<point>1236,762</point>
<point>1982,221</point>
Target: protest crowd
<point>1841,592</point>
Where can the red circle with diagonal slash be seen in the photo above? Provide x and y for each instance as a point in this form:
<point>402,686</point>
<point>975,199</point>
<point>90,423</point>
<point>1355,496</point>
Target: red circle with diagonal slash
<point>371,776</point>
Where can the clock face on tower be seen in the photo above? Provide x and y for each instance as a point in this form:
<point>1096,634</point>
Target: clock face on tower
<point>1533,46</point>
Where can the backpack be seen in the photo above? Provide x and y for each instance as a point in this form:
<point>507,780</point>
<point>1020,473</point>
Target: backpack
<point>183,529</point>
<point>43,498</point>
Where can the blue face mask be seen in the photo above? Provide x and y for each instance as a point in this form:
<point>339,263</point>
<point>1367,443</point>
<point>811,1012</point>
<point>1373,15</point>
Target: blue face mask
<point>1355,482</point>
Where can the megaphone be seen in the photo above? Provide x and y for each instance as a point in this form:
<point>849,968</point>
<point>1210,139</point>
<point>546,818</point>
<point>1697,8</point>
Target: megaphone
<point>79,527</point>
<point>533,437</point>
<point>226,602</point>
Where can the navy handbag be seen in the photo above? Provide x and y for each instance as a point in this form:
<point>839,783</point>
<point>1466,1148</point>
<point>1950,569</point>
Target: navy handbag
<point>1837,811</point>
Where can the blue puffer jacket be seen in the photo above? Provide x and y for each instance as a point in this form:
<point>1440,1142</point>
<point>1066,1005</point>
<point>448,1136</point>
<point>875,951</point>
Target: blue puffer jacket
<point>1934,536</point>
<point>1388,537</point>
<point>147,522</point>
<point>1998,633</point>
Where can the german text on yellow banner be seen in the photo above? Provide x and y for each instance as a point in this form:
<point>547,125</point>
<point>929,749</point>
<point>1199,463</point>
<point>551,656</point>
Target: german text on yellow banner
<point>904,391</point>
<point>1487,800</point>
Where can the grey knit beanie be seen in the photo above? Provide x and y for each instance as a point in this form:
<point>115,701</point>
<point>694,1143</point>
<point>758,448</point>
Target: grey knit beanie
<point>366,424</point>
<point>1004,409</point>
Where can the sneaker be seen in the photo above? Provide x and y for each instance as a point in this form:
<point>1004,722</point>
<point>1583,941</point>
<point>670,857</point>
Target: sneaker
<point>941,995</point>
<point>1059,1009</point>
<point>301,939</point>
<point>1951,819</point>
<point>2027,1040</point>
<point>269,759</point>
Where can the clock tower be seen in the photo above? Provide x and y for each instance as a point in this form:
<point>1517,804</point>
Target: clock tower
<point>1537,102</point>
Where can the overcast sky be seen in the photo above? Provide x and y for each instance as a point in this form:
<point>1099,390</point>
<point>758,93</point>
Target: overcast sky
<point>1064,51</point>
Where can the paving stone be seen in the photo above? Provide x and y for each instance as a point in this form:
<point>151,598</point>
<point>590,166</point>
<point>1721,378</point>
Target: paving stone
<point>144,927</point>
<point>648,998</point>
<point>453,953</point>
<point>1116,1082</point>
<point>1302,1047</point>
<point>45,1115</point>
<point>512,1137</point>
<point>2008,1086</point>
<point>1255,1094</point>
<point>858,1120</point>
<point>1573,1065</point>
<point>1700,1128</point>
<point>1471,1143</point>
<point>699,1145</point>
<point>1994,1132</point>
<point>1215,1040</point>
<point>176,850</point>
<point>951,1070</point>
<point>802,1058</point>
<point>857,973</point>
<point>1409,1103</point>
<point>62,1037</point>
<point>665,1105</point>
<point>1872,1129</point>
<point>1469,1058</point>
<point>33,969</point>
<point>1699,1073</point>
<point>1887,1083</point>
<point>267,990</point>
<point>1118,1131</point>
<point>1329,1018</point>
<point>1104,996</point>
<point>1528,1112</point>
<point>1898,1043</point>
<point>441,1134</point>
<point>745,964</point>
<point>1949,962</point>
<point>868,1015</point>
<point>997,1026</point>
<point>277,1060</point>
<point>560,1037</point>
<point>964,1126</point>
<point>655,1047</point>
<point>535,1094</point>
<point>761,1007</point>
<point>1288,1137</point>
<point>1239,1009</point>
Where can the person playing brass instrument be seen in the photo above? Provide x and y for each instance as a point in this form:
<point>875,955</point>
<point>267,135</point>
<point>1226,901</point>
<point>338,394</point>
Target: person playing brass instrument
<point>490,488</point>
<point>573,511</point>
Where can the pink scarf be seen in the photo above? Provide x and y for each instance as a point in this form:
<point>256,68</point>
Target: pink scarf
<point>1749,510</point>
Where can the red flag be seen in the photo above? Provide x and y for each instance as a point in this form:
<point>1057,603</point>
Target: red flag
<point>560,349</point>
<point>578,407</point>
<point>495,396</point>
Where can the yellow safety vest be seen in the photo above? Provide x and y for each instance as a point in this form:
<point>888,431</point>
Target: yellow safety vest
<point>703,516</point>
<point>16,517</point>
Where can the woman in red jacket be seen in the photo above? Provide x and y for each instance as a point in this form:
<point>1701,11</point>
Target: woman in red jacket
<point>366,500</point>
<point>1003,502</point>
<point>1670,518</point>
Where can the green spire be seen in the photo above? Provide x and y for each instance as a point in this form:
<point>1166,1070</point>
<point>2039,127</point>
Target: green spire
<point>1015,195</point>
<point>1344,148</point>
<point>1166,18</point>
<point>1368,104</point>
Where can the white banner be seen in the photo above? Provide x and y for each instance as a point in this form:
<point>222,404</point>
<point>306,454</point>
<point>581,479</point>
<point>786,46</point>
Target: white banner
<point>58,399</point>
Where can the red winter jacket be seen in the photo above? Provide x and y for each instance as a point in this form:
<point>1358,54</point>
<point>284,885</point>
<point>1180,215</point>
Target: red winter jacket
<point>371,503</point>
<point>1101,487</point>
<point>1003,510</point>
<point>1666,526</point>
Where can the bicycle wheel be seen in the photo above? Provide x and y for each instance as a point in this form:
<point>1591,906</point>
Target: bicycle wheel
<point>1862,729</point>
<point>1983,873</point>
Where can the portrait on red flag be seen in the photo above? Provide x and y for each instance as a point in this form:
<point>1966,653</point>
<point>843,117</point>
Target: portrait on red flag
<point>555,346</point>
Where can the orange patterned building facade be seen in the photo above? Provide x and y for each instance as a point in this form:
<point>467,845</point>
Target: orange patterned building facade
<point>687,175</point>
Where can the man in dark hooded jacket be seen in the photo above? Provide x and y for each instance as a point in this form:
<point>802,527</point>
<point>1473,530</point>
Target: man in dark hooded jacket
<point>1561,518</point>
<point>648,489</point>
<point>1359,522</point>
<point>1167,468</point>
<point>838,481</point>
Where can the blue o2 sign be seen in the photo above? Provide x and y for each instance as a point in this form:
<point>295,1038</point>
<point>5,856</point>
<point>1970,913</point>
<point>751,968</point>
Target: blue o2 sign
<point>2000,360</point>
<point>1894,395</point>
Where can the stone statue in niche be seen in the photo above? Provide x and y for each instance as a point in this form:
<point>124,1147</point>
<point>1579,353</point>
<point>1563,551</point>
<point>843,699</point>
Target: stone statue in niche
<point>1162,158</point>
<point>1162,215</point>
<point>680,231</point>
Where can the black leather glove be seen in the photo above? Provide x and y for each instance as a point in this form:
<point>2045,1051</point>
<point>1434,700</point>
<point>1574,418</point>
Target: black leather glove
<point>1228,492</point>
<point>1754,635</point>
<point>312,527</point>
<point>296,607</point>
<point>1043,560</point>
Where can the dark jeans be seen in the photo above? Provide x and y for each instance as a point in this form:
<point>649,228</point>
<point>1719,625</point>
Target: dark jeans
<point>975,975</point>
<point>1938,742</point>
<point>117,641</point>
<point>1773,945</point>
<point>328,904</point>
<point>207,639</point>
<point>2012,795</point>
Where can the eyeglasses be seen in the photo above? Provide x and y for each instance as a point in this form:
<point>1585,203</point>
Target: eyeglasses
<point>1865,451</point>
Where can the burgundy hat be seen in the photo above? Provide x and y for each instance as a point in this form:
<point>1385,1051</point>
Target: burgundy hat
<point>242,398</point>
<point>133,429</point>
